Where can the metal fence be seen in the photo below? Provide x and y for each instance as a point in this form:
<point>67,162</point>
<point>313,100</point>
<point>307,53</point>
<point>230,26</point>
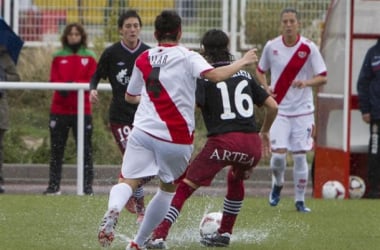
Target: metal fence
<point>249,22</point>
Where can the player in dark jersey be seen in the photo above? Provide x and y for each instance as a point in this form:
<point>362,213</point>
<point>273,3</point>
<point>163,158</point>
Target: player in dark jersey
<point>233,140</point>
<point>116,64</point>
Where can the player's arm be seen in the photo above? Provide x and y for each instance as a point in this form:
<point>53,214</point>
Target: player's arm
<point>134,99</point>
<point>262,79</point>
<point>271,108</point>
<point>100,72</point>
<point>221,73</point>
<point>316,81</point>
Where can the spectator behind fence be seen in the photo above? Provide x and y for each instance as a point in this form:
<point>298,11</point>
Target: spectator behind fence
<point>8,72</point>
<point>116,64</point>
<point>368,87</point>
<point>296,66</point>
<point>74,63</point>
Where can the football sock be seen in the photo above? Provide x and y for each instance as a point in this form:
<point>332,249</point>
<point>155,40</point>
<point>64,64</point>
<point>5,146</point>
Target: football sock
<point>232,203</point>
<point>183,192</point>
<point>300,176</point>
<point>138,193</point>
<point>154,214</point>
<point>278,165</point>
<point>119,195</point>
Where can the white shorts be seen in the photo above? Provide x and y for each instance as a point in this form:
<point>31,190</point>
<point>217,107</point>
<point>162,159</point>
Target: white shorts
<point>148,156</point>
<point>294,133</point>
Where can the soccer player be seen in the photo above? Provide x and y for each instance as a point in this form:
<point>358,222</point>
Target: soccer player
<point>161,142</point>
<point>116,64</point>
<point>296,66</point>
<point>233,139</point>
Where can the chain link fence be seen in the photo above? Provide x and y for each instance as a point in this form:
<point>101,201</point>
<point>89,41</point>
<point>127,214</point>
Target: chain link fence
<point>249,22</point>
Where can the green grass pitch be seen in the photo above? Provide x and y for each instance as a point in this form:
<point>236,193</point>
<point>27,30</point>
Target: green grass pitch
<point>70,222</point>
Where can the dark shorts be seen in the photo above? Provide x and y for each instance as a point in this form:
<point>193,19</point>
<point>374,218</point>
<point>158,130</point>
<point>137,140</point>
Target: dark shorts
<point>121,132</point>
<point>240,150</point>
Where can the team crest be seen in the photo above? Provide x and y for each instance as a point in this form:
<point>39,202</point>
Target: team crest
<point>302,54</point>
<point>84,61</point>
<point>122,77</point>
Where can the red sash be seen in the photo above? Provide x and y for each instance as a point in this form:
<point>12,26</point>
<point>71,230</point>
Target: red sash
<point>290,72</point>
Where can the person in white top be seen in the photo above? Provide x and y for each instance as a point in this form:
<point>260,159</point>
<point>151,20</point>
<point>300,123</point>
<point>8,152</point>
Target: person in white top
<point>164,83</point>
<point>296,66</point>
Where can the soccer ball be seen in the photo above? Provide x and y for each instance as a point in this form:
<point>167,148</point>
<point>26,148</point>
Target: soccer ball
<point>357,187</point>
<point>210,223</point>
<point>333,190</point>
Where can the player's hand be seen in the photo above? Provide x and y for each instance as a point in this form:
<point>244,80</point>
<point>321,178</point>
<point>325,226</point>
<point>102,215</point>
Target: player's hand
<point>94,96</point>
<point>299,84</point>
<point>250,57</point>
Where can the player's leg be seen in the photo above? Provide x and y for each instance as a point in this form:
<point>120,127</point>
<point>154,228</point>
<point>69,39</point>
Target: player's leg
<point>279,136</point>
<point>166,154</point>
<point>184,190</point>
<point>374,161</point>
<point>136,203</point>
<point>244,144</point>
<point>138,161</point>
<point>301,142</point>
<point>232,204</point>
<point>59,127</point>
<point>196,175</point>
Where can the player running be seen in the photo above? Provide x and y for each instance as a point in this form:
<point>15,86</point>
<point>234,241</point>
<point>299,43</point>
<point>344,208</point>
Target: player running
<point>161,141</point>
<point>233,139</point>
<point>116,64</point>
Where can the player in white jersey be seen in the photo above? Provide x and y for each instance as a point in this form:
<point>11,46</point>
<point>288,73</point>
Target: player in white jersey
<point>164,82</point>
<point>295,65</point>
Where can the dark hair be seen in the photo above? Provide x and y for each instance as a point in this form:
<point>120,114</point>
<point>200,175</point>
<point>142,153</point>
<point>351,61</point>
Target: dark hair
<point>215,46</point>
<point>67,31</point>
<point>290,10</point>
<point>128,14</point>
<point>167,25</point>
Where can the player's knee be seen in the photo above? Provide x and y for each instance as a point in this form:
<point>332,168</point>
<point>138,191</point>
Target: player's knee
<point>300,162</point>
<point>278,161</point>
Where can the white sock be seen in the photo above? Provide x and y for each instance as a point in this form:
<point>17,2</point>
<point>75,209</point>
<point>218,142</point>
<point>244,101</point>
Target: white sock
<point>278,165</point>
<point>155,212</point>
<point>119,195</point>
<point>300,176</point>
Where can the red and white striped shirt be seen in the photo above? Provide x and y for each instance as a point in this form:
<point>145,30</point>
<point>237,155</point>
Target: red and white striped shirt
<point>165,77</point>
<point>302,61</point>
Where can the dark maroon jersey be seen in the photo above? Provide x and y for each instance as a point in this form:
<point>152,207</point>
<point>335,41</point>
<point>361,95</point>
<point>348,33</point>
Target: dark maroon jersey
<point>116,63</point>
<point>228,106</point>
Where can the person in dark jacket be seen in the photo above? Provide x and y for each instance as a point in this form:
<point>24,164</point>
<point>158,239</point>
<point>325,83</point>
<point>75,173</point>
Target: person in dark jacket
<point>368,87</point>
<point>74,63</point>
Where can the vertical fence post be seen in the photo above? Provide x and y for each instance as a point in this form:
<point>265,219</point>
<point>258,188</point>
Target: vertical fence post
<point>80,142</point>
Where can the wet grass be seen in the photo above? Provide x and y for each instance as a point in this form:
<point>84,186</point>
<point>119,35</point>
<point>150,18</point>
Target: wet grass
<point>70,222</point>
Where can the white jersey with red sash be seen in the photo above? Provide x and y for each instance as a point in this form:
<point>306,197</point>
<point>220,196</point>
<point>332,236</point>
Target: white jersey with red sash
<point>302,61</point>
<point>166,79</point>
